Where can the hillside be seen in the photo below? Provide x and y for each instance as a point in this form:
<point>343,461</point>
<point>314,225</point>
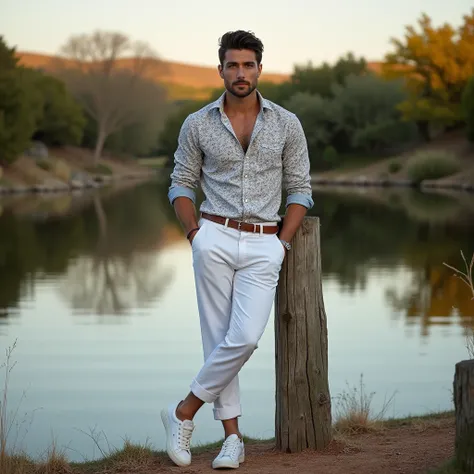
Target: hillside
<point>181,80</point>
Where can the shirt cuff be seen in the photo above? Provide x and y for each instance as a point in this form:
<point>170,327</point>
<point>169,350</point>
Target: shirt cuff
<point>300,198</point>
<point>181,191</point>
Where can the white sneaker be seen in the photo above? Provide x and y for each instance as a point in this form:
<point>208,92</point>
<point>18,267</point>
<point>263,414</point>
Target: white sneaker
<point>231,455</point>
<point>178,436</point>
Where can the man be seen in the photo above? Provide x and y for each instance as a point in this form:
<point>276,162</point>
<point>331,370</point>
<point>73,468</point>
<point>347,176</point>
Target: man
<point>240,149</point>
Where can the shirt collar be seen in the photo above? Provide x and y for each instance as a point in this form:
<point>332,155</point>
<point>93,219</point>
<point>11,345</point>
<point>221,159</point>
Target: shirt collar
<point>219,103</point>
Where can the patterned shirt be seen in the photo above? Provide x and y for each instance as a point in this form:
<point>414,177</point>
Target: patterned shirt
<point>245,186</point>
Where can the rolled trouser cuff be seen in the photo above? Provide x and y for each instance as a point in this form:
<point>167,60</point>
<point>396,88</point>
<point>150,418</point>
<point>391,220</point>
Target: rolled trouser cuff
<point>227,413</point>
<point>202,393</point>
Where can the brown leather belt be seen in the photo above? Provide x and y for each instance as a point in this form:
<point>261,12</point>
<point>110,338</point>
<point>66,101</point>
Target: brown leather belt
<point>245,226</point>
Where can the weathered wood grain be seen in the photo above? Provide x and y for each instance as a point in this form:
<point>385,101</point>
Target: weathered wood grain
<point>303,403</point>
<point>464,407</point>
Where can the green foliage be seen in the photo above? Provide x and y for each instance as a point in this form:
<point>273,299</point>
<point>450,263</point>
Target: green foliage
<point>468,108</point>
<point>33,105</point>
<point>44,164</point>
<point>8,60</point>
<point>317,118</point>
<point>360,117</point>
<point>100,169</point>
<point>330,156</point>
<point>62,120</point>
<point>434,164</point>
<point>168,138</point>
<point>366,111</point>
<point>321,80</point>
<point>394,167</point>
<point>20,107</point>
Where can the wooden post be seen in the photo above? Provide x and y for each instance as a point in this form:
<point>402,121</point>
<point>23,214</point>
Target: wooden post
<point>464,407</point>
<point>303,403</point>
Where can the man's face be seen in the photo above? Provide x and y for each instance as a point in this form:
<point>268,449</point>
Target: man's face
<point>240,72</point>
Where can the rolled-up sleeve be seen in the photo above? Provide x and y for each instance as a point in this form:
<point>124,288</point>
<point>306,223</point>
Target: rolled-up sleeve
<point>296,168</point>
<point>187,163</point>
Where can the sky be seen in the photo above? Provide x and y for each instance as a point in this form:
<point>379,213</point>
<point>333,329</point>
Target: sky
<point>293,31</point>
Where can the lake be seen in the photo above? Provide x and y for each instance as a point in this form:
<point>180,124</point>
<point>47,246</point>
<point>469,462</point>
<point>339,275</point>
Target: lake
<point>98,293</point>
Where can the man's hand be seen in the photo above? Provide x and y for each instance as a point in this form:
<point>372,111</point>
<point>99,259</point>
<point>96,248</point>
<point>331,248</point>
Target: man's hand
<point>186,213</point>
<point>192,235</point>
<point>294,217</point>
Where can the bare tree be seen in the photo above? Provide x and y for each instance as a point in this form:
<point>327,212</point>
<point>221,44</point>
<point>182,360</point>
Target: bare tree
<point>108,73</point>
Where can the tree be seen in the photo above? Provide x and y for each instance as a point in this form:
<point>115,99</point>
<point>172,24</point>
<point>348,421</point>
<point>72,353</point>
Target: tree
<point>20,106</point>
<point>320,80</point>
<point>316,116</point>
<point>112,87</point>
<point>468,108</point>
<point>365,111</point>
<point>436,63</point>
<point>168,138</point>
<point>62,120</point>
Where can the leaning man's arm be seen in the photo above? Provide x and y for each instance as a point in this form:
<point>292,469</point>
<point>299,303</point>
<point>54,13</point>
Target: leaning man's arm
<point>296,179</point>
<point>186,174</point>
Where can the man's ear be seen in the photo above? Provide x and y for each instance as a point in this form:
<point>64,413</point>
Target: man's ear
<point>221,73</point>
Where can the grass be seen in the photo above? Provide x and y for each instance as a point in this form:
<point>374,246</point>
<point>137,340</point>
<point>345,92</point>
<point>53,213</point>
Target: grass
<point>467,277</point>
<point>354,413</point>
<point>44,164</point>
<point>448,468</point>
<point>99,169</point>
<point>155,162</point>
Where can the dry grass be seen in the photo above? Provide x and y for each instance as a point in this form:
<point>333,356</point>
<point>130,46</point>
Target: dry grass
<point>354,413</point>
<point>468,278</point>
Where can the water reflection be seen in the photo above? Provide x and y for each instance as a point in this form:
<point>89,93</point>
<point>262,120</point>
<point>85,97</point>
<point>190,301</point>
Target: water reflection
<point>380,229</point>
<point>105,255</point>
<point>105,252</point>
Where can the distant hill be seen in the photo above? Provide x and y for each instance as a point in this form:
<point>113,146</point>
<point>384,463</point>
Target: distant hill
<point>183,81</point>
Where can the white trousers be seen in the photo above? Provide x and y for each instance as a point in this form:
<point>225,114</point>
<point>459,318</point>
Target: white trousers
<point>236,274</point>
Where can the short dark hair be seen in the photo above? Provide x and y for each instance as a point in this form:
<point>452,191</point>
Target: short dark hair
<point>240,40</point>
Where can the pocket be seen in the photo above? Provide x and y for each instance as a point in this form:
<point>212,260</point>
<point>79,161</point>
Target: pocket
<point>281,248</point>
<point>197,234</point>
<point>270,156</point>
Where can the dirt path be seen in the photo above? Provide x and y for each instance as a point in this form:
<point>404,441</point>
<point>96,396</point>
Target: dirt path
<point>404,450</point>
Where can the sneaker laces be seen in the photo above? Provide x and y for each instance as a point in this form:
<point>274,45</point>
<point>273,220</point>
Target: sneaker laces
<point>230,447</point>
<point>184,434</point>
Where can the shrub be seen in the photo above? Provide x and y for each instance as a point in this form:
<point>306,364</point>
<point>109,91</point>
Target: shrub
<point>44,164</point>
<point>432,165</point>
<point>330,156</point>
<point>394,167</point>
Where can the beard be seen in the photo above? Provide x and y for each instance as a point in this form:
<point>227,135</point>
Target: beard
<point>243,92</point>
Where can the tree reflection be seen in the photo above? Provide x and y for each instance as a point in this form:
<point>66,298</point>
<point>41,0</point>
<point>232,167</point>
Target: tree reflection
<point>106,253</point>
<point>434,297</point>
<point>123,271</point>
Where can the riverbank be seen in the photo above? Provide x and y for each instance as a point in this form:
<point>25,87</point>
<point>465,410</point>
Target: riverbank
<point>393,171</point>
<point>409,446</point>
<point>67,169</point>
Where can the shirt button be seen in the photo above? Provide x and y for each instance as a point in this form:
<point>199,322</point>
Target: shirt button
<point>245,175</point>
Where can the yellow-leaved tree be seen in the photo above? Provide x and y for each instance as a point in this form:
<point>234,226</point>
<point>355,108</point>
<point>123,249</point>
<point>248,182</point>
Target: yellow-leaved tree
<point>436,63</point>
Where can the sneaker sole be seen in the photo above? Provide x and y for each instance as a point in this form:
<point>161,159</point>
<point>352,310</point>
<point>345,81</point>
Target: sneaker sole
<point>171,454</point>
<point>224,465</point>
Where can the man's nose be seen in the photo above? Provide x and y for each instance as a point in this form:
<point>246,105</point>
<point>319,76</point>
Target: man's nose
<point>241,73</point>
